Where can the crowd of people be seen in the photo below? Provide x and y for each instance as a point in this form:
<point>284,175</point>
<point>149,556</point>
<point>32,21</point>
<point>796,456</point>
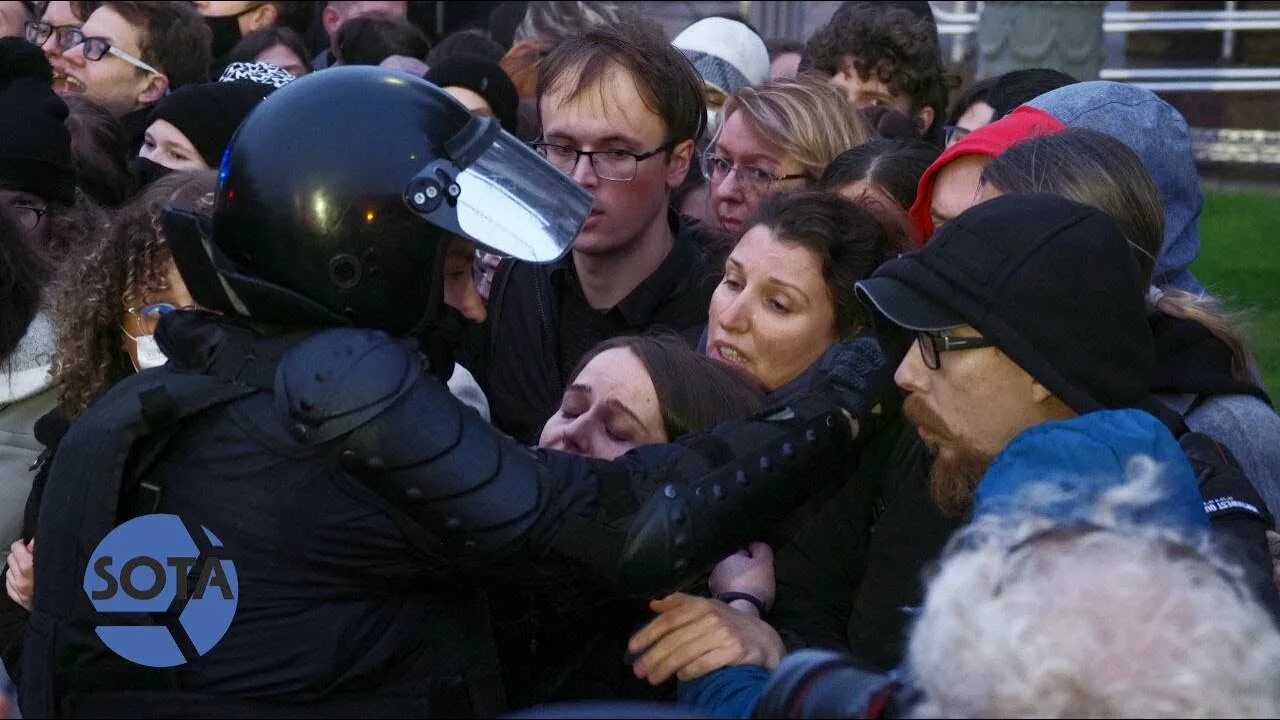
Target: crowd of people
<point>694,356</point>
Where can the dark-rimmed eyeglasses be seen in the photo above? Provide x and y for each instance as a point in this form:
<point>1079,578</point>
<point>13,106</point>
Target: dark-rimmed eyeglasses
<point>618,165</point>
<point>95,48</point>
<point>28,217</point>
<point>38,33</point>
<point>752,178</point>
<point>953,134</point>
<point>932,345</point>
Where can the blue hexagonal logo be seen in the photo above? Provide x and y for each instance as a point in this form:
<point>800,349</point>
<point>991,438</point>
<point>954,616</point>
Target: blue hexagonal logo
<point>164,590</point>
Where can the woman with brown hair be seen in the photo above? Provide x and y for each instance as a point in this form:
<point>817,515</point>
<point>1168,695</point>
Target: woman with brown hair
<point>848,561</point>
<point>628,391</point>
<point>638,390</point>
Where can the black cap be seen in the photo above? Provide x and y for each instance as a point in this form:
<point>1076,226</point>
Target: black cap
<point>1051,282</point>
<point>35,148</point>
<point>482,77</point>
<point>208,114</point>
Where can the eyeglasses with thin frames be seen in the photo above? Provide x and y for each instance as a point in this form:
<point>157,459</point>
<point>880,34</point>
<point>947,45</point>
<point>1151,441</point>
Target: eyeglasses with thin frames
<point>149,315</point>
<point>757,180</point>
<point>97,47</point>
<point>932,345</point>
<point>617,165</point>
<point>28,217</point>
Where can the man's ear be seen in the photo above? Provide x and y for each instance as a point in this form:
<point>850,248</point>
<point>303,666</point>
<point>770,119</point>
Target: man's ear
<point>264,15</point>
<point>678,166</point>
<point>924,119</point>
<point>157,86</point>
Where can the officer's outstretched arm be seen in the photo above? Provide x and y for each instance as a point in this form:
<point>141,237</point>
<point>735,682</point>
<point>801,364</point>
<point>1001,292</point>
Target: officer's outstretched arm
<point>647,522</point>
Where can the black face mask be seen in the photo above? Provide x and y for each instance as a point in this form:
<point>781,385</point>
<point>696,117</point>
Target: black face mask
<point>226,32</point>
<point>145,172</point>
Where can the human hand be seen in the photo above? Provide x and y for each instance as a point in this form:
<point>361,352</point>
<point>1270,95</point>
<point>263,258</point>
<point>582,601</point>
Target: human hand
<point>694,636</point>
<point>19,579</point>
<point>749,571</point>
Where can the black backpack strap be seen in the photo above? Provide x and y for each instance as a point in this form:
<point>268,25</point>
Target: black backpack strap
<point>81,505</point>
<point>1238,515</point>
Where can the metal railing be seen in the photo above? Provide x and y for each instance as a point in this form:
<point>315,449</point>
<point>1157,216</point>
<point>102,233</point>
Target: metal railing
<point>1228,21</point>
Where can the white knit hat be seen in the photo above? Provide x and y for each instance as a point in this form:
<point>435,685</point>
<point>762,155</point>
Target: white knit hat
<point>727,54</point>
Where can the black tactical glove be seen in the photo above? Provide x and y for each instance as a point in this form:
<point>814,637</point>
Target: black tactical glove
<point>857,373</point>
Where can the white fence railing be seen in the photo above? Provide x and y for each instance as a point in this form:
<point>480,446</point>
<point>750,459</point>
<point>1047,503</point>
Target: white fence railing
<point>1210,79</point>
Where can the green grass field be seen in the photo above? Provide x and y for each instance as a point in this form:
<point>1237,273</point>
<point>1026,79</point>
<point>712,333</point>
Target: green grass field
<point>1240,262</point>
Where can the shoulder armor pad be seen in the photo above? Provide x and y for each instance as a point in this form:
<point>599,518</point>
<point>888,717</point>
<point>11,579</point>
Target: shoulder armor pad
<point>337,380</point>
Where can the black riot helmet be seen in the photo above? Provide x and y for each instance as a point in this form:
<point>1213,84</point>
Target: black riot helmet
<point>339,193</point>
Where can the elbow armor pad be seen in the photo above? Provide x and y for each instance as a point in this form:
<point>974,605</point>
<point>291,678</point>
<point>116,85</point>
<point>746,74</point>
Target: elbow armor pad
<point>365,397</point>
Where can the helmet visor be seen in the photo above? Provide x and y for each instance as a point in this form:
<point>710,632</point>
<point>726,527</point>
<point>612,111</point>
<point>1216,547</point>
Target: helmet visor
<point>514,202</point>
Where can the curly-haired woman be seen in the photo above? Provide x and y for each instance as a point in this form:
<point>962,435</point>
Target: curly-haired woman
<point>109,302</point>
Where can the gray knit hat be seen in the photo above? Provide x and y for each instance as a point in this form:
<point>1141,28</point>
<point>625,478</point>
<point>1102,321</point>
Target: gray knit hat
<point>726,53</point>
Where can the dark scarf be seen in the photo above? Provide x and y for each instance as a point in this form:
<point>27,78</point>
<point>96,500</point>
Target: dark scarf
<point>1190,360</point>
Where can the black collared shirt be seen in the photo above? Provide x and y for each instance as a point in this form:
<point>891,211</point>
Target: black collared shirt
<point>540,325</point>
<point>582,327</point>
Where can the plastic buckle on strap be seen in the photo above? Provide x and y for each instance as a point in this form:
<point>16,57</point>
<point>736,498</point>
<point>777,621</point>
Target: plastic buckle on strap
<point>148,498</point>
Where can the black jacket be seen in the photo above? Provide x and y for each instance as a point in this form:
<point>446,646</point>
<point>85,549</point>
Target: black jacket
<point>852,577</point>
<point>519,367</point>
<point>358,592</point>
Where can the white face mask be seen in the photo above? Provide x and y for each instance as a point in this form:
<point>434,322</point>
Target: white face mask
<point>149,353</point>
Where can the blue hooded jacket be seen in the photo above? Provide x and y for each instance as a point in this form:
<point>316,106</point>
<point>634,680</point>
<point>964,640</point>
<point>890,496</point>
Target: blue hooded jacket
<point>1157,132</point>
<point>1060,470</point>
<point>1057,471</point>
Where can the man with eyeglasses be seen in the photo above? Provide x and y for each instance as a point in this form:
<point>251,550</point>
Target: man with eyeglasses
<point>1007,335</point>
<point>620,110</point>
<point>1022,310</point>
<point>128,55</point>
<point>1028,309</point>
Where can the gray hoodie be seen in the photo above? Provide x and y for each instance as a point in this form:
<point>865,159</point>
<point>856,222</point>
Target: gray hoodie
<point>1154,130</point>
<point>26,393</point>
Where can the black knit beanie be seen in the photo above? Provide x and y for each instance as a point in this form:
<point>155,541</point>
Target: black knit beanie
<point>35,148</point>
<point>208,114</point>
<point>482,77</point>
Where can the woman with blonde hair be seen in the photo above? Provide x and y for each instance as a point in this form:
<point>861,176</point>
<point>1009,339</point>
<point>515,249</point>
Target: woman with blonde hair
<point>777,136</point>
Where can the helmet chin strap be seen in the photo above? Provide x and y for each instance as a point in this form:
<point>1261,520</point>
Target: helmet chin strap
<point>439,333</point>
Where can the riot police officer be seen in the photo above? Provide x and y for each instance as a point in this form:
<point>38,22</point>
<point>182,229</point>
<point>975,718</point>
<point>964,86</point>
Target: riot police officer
<point>301,418</point>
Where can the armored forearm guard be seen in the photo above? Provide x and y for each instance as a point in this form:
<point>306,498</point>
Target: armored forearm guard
<point>474,497</point>
<point>759,470</point>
